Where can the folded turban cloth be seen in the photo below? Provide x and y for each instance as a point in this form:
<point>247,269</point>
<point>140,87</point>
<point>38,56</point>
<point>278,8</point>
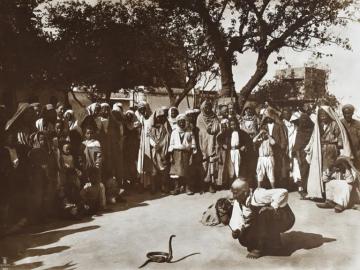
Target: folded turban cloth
<point>295,116</point>
<point>117,107</point>
<point>71,112</point>
<point>224,121</point>
<point>180,117</point>
<point>188,112</point>
<point>35,104</point>
<point>142,104</point>
<point>49,107</point>
<point>348,107</point>
<point>103,105</point>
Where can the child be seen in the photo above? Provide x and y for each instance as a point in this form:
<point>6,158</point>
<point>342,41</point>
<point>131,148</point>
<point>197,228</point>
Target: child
<point>182,146</point>
<point>93,161</point>
<point>93,193</point>
<point>70,182</point>
<point>266,163</point>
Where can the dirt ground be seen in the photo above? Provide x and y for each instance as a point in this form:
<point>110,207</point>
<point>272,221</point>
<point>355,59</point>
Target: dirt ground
<point>120,239</point>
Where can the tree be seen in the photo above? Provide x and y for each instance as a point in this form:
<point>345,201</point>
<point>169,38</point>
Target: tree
<point>24,49</point>
<point>273,90</point>
<point>121,45</point>
<point>90,44</point>
<point>264,27</point>
<point>171,46</point>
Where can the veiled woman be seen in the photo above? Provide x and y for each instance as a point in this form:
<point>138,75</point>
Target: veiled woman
<point>159,135</point>
<point>131,146</point>
<point>209,127</point>
<point>94,110</point>
<point>115,142</point>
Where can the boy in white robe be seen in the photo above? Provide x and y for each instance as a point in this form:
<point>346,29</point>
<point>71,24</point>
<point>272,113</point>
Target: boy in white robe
<point>182,146</point>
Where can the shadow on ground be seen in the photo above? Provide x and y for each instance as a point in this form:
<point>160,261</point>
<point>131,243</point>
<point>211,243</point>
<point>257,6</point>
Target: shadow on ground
<point>67,266</point>
<point>133,201</point>
<point>24,244</point>
<point>21,246</point>
<point>297,240</point>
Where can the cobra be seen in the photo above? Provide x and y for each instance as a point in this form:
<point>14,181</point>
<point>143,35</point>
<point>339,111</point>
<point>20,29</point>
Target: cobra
<point>159,256</point>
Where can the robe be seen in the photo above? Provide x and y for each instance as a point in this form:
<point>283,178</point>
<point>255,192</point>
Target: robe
<point>208,129</point>
<point>353,131</point>
<point>144,162</point>
<point>318,149</point>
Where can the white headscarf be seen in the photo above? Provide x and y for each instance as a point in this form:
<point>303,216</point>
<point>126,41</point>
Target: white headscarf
<point>118,107</point>
<point>91,108</point>
<point>71,112</point>
<point>172,120</point>
<point>105,105</point>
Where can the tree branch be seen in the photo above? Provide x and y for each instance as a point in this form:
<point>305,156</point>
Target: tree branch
<point>190,84</point>
<point>225,3</point>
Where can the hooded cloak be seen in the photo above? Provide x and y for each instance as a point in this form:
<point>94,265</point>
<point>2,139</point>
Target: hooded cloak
<point>314,156</point>
<point>209,126</point>
<point>159,135</point>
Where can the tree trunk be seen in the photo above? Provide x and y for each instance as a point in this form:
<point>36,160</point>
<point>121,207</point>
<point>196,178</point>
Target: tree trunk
<point>173,101</point>
<point>108,96</point>
<point>261,70</point>
<point>227,81</point>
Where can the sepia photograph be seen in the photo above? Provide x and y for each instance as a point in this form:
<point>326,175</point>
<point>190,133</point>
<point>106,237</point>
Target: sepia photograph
<point>179,134</point>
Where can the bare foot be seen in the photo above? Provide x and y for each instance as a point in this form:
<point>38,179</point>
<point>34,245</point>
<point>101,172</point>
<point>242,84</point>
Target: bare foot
<point>254,254</point>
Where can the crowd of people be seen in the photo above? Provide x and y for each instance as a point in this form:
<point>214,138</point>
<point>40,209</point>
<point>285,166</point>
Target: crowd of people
<point>56,164</point>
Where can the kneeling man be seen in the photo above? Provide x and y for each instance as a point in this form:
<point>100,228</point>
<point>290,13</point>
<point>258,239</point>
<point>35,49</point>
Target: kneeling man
<point>259,217</point>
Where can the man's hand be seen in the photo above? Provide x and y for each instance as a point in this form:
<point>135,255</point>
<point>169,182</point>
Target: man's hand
<point>266,208</point>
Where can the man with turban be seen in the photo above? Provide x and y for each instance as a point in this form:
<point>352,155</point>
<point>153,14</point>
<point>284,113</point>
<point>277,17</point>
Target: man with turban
<point>352,127</point>
<point>209,126</point>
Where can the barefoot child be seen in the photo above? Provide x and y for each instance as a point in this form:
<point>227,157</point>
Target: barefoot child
<point>182,146</point>
<point>93,162</point>
<point>266,162</point>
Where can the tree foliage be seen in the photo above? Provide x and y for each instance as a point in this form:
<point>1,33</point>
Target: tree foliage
<point>264,27</point>
<point>172,41</point>
<point>124,44</point>
<point>23,48</point>
<point>91,44</point>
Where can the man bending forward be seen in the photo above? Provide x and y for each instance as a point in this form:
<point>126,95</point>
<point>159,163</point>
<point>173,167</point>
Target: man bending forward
<point>258,218</point>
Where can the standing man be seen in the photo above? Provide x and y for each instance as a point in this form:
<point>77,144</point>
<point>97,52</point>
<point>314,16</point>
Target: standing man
<point>352,127</point>
<point>274,127</point>
<point>209,127</point>
<point>258,218</point>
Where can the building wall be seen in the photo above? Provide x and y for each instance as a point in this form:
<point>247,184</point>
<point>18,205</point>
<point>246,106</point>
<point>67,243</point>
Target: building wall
<point>311,81</point>
<point>11,98</point>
